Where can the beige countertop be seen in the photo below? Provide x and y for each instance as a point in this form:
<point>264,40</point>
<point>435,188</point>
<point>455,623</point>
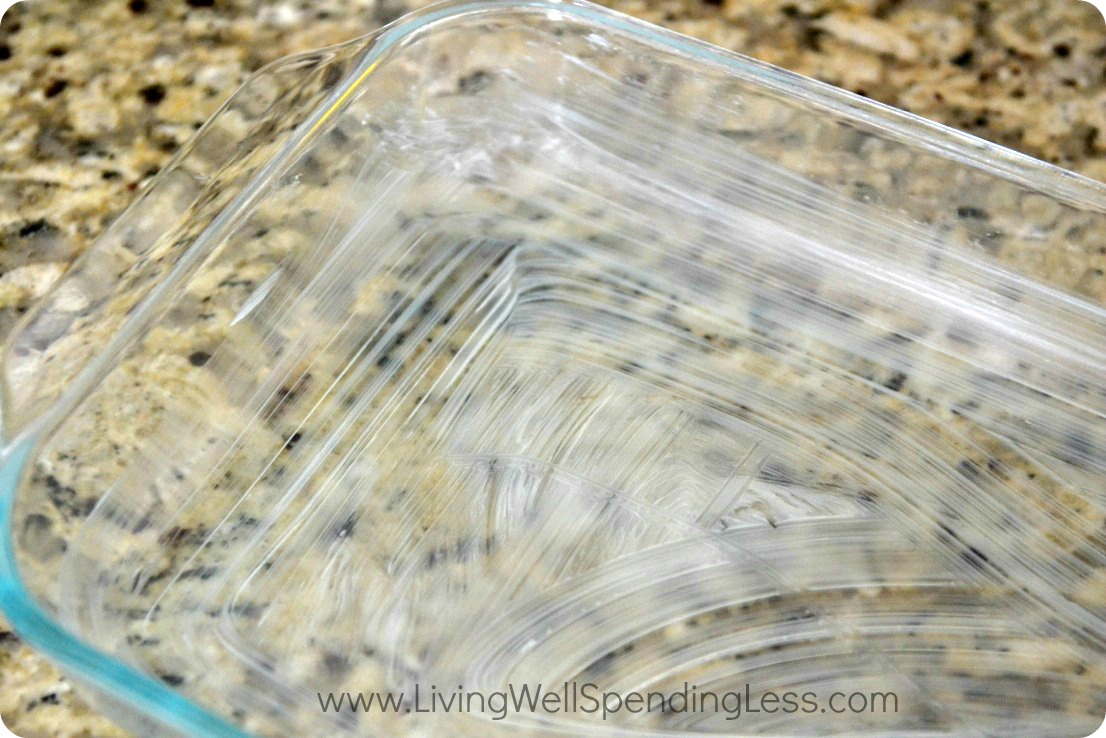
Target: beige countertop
<point>95,98</point>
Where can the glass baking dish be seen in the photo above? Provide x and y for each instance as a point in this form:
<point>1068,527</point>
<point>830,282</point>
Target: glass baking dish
<point>524,343</point>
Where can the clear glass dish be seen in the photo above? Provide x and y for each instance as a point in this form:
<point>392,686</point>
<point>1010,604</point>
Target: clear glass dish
<point>523,342</point>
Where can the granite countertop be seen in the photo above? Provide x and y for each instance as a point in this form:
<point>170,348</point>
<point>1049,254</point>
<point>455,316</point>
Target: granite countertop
<point>94,100</point>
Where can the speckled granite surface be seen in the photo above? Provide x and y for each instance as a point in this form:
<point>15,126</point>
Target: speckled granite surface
<point>94,99</point>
